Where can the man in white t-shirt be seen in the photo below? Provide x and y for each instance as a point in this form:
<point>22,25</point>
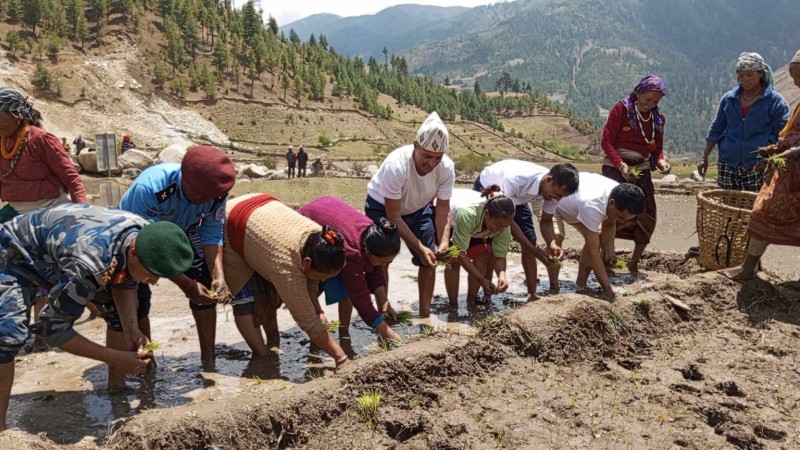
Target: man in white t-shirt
<point>523,182</point>
<point>599,204</point>
<point>402,190</point>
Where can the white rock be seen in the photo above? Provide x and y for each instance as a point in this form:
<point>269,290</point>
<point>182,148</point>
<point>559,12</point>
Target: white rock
<point>276,175</point>
<point>88,161</point>
<point>695,176</point>
<point>255,171</point>
<point>135,159</point>
<point>173,154</point>
<point>669,179</point>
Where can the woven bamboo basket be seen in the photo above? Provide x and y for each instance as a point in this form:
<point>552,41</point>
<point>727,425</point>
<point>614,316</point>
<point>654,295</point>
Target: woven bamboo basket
<point>722,218</point>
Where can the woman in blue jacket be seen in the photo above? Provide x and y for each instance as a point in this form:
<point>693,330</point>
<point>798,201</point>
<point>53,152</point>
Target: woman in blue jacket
<point>749,116</point>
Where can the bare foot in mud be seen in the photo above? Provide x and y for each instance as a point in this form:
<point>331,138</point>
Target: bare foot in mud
<point>738,274</point>
<point>633,267</point>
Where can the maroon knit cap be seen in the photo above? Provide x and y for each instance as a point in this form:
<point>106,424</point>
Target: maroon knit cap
<point>208,172</point>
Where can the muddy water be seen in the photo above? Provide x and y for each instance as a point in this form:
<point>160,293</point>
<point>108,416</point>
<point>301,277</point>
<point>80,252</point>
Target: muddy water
<point>64,396</point>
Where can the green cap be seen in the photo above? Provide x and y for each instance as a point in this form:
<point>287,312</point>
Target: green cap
<point>164,249</point>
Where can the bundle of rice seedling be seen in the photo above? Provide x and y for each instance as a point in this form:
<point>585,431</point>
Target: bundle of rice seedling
<point>443,257</point>
<point>634,173</point>
<point>404,317</point>
<point>333,325</point>
<point>775,163</point>
<point>151,346</point>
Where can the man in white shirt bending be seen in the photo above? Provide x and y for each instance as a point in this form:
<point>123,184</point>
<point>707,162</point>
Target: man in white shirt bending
<point>402,190</point>
<point>523,182</point>
<point>599,204</point>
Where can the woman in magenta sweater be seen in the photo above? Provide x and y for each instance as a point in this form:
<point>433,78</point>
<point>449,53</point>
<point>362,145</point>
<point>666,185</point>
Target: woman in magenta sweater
<point>633,141</point>
<point>369,246</point>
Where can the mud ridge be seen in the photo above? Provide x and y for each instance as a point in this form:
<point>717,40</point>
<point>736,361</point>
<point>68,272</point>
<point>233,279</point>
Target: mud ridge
<point>567,331</point>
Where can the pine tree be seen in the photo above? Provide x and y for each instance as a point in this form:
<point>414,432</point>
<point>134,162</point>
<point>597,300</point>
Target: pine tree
<point>32,13</point>
<point>285,84</point>
<point>221,59</point>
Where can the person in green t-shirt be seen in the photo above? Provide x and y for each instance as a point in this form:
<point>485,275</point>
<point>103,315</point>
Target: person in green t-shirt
<point>480,225</point>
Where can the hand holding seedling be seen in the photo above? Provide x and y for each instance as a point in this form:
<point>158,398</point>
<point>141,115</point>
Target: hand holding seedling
<point>135,338</point>
<point>488,287</point>
<point>555,251</point>
<point>131,362</point>
<point>426,255</point>
<point>198,294</point>
<point>502,284</point>
<point>624,171</point>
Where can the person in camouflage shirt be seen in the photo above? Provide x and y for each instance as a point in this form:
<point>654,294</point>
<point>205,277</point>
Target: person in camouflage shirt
<point>73,251</point>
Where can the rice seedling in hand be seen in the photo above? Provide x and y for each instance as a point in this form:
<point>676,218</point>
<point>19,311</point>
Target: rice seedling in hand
<point>151,346</point>
<point>333,325</point>
<point>775,163</point>
<point>443,257</point>
<point>634,173</point>
<point>404,317</point>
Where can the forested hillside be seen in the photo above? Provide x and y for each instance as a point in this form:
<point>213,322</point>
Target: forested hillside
<point>397,27</point>
<point>592,52</point>
<point>208,46</point>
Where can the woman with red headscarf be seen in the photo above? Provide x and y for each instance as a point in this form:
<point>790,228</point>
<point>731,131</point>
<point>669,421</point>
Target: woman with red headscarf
<point>633,142</point>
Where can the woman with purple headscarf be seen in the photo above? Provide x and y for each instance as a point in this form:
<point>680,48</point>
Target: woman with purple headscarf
<point>749,116</point>
<point>633,141</point>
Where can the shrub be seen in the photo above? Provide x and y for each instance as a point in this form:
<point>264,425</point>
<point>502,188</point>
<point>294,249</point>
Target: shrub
<point>325,141</point>
<point>269,163</point>
<point>471,163</point>
<point>46,82</point>
<point>358,167</point>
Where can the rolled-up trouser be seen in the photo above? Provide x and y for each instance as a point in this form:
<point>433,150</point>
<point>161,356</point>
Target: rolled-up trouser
<point>15,301</point>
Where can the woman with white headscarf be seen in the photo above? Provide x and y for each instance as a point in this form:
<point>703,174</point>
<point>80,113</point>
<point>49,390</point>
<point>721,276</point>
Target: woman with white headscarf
<point>776,213</point>
<point>749,116</point>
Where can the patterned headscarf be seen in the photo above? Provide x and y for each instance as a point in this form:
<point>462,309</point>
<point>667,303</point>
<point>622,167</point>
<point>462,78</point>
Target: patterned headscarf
<point>649,83</point>
<point>14,103</point>
<point>754,61</point>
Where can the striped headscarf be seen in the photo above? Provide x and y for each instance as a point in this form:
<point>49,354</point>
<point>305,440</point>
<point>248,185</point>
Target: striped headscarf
<point>649,83</point>
<point>754,61</point>
<point>14,103</point>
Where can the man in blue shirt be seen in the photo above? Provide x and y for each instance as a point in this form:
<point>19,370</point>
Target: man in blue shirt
<point>74,251</point>
<point>192,195</point>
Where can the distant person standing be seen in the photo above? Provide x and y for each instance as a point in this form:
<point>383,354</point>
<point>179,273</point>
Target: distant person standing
<point>127,143</point>
<point>749,116</point>
<point>79,144</point>
<point>633,141</point>
<point>402,190</point>
<point>291,159</point>
<point>302,161</point>
<point>66,146</point>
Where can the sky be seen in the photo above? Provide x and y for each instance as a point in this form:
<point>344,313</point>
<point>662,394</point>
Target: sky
<point>287,11</point>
